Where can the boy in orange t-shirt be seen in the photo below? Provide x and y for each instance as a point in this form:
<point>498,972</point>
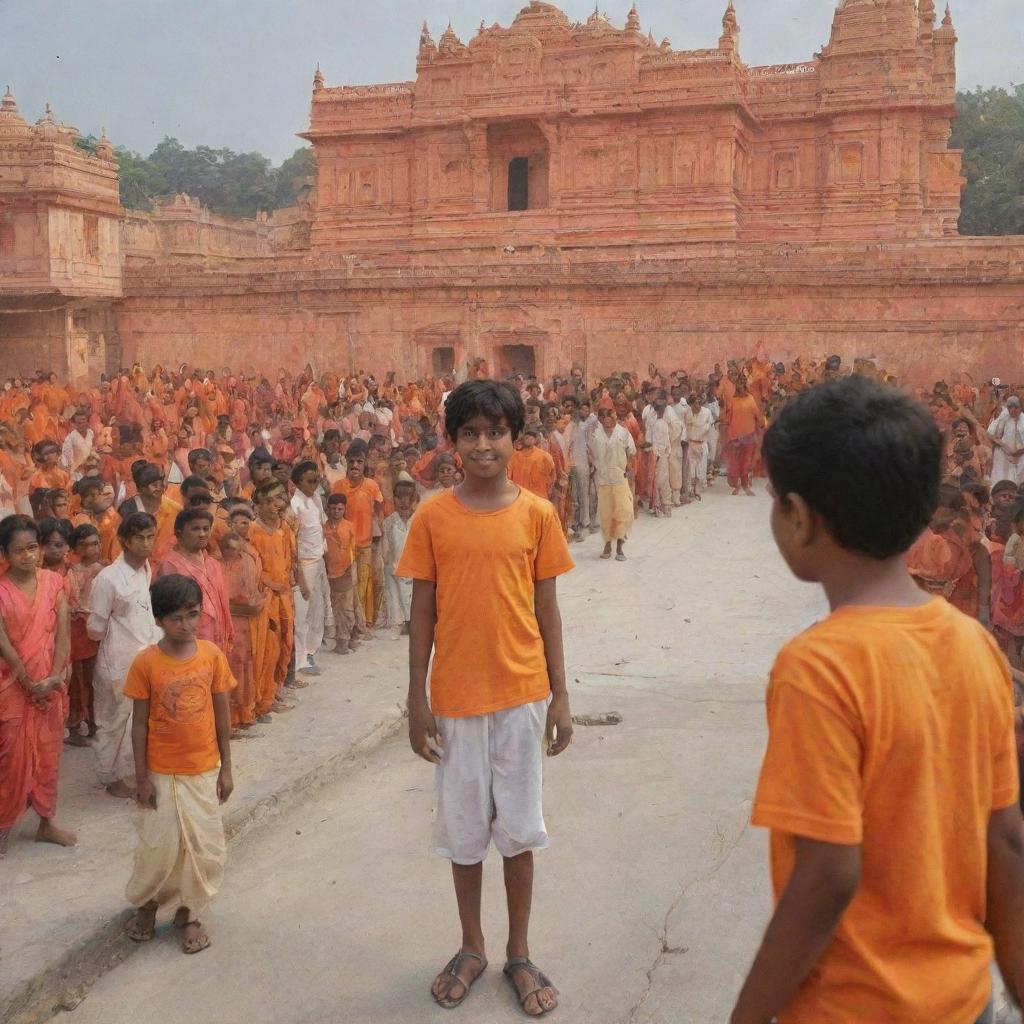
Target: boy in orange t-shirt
<point>890,779</point>
<point>340,557</point>
<point>532,467</point>
<point>483,558</point>
<point>181,728</point>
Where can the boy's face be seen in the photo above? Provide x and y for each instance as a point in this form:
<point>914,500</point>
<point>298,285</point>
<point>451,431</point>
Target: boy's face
<point>308,482</point>
<point>195,535</point>
<point>336,511</point>
<point>140,545</point>
<point>260,472</point>
<point>446,474</point>
<point>61,505</point>
<point>50,456</point>
<point>24,552</point>
<point>200,467</point>
<point>356,468</point>
<point>403,500</point>
<point>180,627</point>
<point>485,447</point>
<point>88,550</point>
<point>240,525</point>
<point>282,473</point>
<point>1003,499</point>
<point>530,441</point>
<point>55,550</point>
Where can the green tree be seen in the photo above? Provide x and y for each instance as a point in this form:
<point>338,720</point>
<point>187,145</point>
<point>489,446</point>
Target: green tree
<point>990,130</point>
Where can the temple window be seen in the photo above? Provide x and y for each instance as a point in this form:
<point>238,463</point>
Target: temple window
<point>519,183</point>
<point>92,235</point>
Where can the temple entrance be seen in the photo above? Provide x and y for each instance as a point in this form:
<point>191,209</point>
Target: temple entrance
<point>442,360</point>
<point>514,359</point>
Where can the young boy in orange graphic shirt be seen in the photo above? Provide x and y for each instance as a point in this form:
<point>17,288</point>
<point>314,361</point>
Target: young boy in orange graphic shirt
<point>484,557</point>
<point>890,780</point>
<point>181,728</point>
<point>340,556</point>
<point>532,467</point>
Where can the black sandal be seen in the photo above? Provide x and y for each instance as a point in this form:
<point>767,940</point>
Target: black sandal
<point>540,979</point>
<point>452,968</point>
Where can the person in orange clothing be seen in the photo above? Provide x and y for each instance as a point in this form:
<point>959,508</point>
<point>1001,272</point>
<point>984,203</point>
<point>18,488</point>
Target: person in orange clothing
<point>340,557</point>
<point>532,467</point>
<point>190,556</point>
<point>150,485</point>
<point>744,423</point>
<point>242,577</point>
<point>890,779</point>
<point>181,726</point>
<point>34,648</point>
<point>364,510</point>
<point>46,455</point>
<point>274,541</point>
<point>97,512</point>
<point>491,704</point>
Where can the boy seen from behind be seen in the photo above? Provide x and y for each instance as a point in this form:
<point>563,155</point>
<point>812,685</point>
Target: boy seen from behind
<point>890,780</point>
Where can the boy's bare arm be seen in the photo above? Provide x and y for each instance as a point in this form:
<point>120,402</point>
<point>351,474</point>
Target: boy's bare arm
<point>145,795</point>
<point>549,619</point>
<point>423,735</point>
<point>1004,917</point>
<point>222,720</point>
<point>824,880</point>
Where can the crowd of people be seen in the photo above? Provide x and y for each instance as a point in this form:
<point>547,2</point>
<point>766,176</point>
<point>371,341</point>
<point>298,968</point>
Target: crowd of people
<point>288,504</point>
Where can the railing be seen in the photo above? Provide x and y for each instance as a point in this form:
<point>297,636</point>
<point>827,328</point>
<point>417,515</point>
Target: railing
<point>784,70</point>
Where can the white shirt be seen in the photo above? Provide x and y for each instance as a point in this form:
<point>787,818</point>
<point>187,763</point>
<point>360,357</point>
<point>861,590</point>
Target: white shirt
<point>310,542</point>
<point>395,531</point>
<point>77,448</point>
<point>661,431</point>
<point>120,612</point>
<point>698,425</point>
<point>579,444</point>
<point>610,454</point>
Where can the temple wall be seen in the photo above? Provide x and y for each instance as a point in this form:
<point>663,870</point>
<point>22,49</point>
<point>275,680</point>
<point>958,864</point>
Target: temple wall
<point>951,308</point>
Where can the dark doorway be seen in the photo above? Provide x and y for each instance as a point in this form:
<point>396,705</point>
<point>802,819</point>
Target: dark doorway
<point>519,183</point>
<point>517,359</point>
<point>442,360</point>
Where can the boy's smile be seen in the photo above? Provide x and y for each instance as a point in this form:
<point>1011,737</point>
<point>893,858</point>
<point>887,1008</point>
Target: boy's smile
<point>484,446</point>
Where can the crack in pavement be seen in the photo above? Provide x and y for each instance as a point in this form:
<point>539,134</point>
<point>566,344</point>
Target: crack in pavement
<point>666,950</point>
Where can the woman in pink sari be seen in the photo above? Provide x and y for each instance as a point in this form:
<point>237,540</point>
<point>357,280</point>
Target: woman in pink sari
<point>35,642</point>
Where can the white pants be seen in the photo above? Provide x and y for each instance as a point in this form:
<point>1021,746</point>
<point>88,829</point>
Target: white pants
<point>662,485</point>
<point>399,595</point>
<point>311,615</point>
<point>489,784</point>
<point>181,852</point>
<point>113,744</point>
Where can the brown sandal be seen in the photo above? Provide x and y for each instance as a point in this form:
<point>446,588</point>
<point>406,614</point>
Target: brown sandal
<point>540,979</point>
<point>452,968</point>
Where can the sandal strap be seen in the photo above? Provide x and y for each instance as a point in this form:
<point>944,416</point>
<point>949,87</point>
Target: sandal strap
<point>456,962</point>
<point>526,964</point>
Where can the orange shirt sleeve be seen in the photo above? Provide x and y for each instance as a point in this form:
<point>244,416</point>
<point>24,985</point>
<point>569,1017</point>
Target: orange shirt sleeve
<point>138,684</point>
<point>552,558</point>
<point>1005,767</point>
<point>222,679</point>
<point>417,561</point>
<point>810,784</point>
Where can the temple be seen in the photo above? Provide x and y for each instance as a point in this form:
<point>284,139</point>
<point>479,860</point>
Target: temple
<point>544,194</point>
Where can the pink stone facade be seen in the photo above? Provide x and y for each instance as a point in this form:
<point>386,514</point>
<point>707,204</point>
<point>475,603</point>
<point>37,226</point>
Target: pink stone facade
<point>553,193</point>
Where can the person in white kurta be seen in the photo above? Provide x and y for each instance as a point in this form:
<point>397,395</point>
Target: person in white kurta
<point>612,452</point>
<point>1007,433</point>
<point>664,431</point>
<point>697,421</point>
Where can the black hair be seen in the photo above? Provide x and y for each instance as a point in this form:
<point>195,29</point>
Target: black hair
<point>199,498</point>
<point>192,481</point>
<point>135,523</point>
<point>866,458</point>
<point>10,525</point>
<point>302,468</point>
<point>337,499</point>
<point>146,473</point>
<point>86,484</point>
<point>492,399</point>
<point>572,400</point>
<point>40,448</point>
<point>49,526</point>
<point>260,458</point>
<point>280,464</point>
<point>332,434</point>
<point>82,532</point>
<point>358,449</point>
<point>267,487</point>
<point>199,453</point>
<point>172,593</point>
<point>242,508</point>
<point>188,515</point>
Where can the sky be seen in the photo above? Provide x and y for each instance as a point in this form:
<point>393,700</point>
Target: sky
<point>238,73</point>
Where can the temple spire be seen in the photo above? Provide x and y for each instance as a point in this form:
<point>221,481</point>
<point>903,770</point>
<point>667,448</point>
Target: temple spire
<point>633,19</point>
<point>318,78</point>
<point>947,20</point>
<point>730,39</point>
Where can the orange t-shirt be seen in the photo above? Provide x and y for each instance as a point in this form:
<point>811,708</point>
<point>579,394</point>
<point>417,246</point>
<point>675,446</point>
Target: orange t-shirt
<point>534,469</point>
<point>341,547</point>
<point>892,729</point>
<point>744,416</point>
<point>488,649</point>
<point>359,507</point>
<point>182,728</point>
